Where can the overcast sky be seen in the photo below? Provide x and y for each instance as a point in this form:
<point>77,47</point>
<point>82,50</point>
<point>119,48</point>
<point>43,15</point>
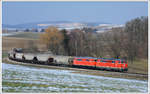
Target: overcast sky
<point>109,12</point>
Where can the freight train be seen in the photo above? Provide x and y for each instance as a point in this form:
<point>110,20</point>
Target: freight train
<point>86,62</point>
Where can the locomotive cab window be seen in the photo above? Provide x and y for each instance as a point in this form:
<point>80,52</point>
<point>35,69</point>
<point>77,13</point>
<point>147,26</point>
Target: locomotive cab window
<point>113,61</point>
<point>79,59</point>
<point>122,61</point>
<point>104,61</point>
<point>87,59</point>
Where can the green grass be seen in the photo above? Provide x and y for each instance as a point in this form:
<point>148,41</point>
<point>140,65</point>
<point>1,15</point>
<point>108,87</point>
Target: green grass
<point>31,35</point>
<point>20,86</point>
<point>4,54</point>
<point>23,85</point>
<point>17,84</point>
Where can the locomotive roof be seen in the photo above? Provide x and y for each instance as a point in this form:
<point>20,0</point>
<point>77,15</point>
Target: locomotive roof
<point>97,58</point>
<point>87,57</point>
<point>109,58</point>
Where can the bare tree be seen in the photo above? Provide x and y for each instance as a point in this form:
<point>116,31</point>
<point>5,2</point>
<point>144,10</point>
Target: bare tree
<point>52,38</point>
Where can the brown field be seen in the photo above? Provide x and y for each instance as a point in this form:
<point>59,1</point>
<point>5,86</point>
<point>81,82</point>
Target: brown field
<point>11,42</point>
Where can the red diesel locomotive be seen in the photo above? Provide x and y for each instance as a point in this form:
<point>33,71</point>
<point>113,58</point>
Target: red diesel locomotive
<point>101,63</point>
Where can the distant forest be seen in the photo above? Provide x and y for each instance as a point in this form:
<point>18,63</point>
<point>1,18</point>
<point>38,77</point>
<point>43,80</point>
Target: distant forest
<point>129,42</point>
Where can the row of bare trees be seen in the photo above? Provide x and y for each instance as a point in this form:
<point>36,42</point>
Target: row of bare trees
<point>129,42</point>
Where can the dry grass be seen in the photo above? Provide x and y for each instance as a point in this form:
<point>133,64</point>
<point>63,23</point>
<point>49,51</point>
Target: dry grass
<point>139,66</point>
<point>11,42</point>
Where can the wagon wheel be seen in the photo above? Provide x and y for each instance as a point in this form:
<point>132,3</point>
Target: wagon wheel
<point>23,58</point>
<point>14,56</point>
<point>49,61</point>
<point>35,60</point>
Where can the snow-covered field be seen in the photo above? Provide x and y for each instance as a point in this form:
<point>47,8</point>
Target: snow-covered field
<point>9,34</point>
<point>17,78</point>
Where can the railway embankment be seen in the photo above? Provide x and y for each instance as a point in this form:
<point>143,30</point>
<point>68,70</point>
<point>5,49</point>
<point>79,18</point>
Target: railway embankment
<point>126,75</point>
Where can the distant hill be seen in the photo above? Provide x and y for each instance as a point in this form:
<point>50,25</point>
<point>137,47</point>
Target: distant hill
<point>59,24</point>
<point>68,25</point>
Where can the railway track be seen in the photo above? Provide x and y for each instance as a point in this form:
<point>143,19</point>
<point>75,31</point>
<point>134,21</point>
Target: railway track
<point>139,74</point>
